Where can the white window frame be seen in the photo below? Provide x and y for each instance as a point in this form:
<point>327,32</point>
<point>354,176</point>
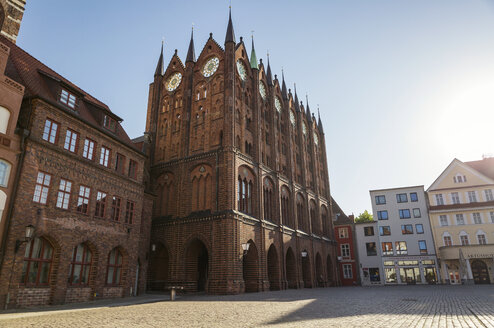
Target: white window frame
<point>439,199</point>
<point>441,222</point>
<point>460,215</point>
<point>488,195</point>
<point>104,158</point>
<point>63,195</point>
<point>347,271</point>
<point>4,177</point>
<point>345,250</point>
<point>464,234</point>
<point>42,188</point>
<point>455,198</point>
<point>71,138</point>
<point>472,195</point>
<point>474,217</point>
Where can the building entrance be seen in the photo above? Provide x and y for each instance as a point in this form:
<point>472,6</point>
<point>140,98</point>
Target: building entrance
<point>410,276</point>
<point>480,272</point>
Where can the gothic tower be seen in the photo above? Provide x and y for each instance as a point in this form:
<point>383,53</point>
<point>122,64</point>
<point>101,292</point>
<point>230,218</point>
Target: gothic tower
<point>11,12</point>
<point>240,175</point>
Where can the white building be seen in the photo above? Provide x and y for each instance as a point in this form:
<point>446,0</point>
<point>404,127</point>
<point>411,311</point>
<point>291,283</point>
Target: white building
<point>370,263</point>
<point>406,243</point>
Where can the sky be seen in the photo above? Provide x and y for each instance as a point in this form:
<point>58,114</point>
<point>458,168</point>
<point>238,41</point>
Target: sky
<point>403,87</point>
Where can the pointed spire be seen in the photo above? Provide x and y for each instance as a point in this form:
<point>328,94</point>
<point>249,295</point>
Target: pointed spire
<point>230,35</point>
<point>319,123</point>
<point>297,106</point>
<point>283,85</point>
<point>159,67</point>
<point>191,53</point>
<point>253,57</point>
<point>309,117</point>
<point>268,73</point>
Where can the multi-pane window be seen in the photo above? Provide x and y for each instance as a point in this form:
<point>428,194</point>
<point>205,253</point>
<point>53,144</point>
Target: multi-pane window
<point>4,173</point>
<point>37,262</point>
<point>100,204</point>
<point>459,178</point>
<point>345,250</point>
<point>404,214</point>
<point>67,98</point>
<point>382,215</point>
<point>387,248</point>
<point>464,240</point>
<point>50,131</point>
<point>491,214</point>
<point>414,197</point>
<point>63,195</point>
<point>369,231</point>
<point>401,247</point>
<point>488,195</point>
<point>129,212</point>
<point>115,208</point>
<point>401,198</point>
<point>42,188</point>
<point>104,158</point>
<point>439,199</point>
<point>481,239</point>
<point>384,231</point>
<point>120,163</point>
<point>472,197</point>
<point>371,249</point>
<point>422,247</point>
<point>71,138</point>
<point>406,229</point>
<point>460,220</point>
<point>343,232</point>
<point>132,169</point>
<point>447,241</point>
<point>80,266</point>
<point>443,220</point>
<point>476,218</point>
<point>109,123</point>
<point>419,228</point>
<point>88,151</point>
<point>83,199</point>
<point>114,267</point>
<point>416,213</point>
<point>347,271</point>
<point>380,200</point>
<point>455,198</point>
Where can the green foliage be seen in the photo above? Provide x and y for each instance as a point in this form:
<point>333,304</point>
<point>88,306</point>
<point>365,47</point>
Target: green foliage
<point>364,217</point>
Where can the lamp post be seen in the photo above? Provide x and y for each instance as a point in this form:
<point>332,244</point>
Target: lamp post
<point>304,253</point>
<point>29,234</point>
<point>245,248</point>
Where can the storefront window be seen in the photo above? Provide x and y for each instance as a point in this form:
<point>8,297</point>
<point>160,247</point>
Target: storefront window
<point>430,275</point>
<point>390,275</point>
<point>374,274</point>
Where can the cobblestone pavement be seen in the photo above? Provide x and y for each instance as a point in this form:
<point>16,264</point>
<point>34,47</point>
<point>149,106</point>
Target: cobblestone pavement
<point>396,306</point>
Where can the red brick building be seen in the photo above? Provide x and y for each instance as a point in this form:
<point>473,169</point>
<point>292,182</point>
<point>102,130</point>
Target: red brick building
<point>236,160</point>
<point>80,184</point>
<point>344,231</point>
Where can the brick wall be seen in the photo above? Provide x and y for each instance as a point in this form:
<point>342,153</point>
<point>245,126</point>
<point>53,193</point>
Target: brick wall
<point>78,295</point>
<point>27,297</point>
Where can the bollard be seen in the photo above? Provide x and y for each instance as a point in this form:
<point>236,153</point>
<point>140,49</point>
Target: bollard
<point>172,294</point>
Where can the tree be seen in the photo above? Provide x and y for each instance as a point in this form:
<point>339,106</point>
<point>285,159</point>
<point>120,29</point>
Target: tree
<point>364,217</point>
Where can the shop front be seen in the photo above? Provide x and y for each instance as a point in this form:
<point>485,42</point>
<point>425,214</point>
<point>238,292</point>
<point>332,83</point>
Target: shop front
<point>472,264</point>
<point>410,270</point>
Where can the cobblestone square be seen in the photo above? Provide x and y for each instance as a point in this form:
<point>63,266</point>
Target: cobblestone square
<point>397,306</point>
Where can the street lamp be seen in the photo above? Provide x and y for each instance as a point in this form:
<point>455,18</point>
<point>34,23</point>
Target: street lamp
<point>304,253</point>
<point>28,236</point>
<point>245,247</point>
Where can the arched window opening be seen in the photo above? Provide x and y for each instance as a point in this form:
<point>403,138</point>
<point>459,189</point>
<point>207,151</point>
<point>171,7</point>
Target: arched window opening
<point>4,113</point>
<point>114,267</point>
<point>80,266</point>
<point>37,263</point>
<point>4,173</point>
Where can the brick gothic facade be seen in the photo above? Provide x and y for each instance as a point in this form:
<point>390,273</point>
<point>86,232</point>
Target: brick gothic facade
<point>80,184</point>
<point>11,12</point>
<point>235,159</point>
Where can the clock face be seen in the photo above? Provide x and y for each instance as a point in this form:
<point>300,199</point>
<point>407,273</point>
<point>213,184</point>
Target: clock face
<point>316,138</point>
<point>174,81</point>
<point>277,104</point>
<point>241,70</point>
<point>262,90</point>
<point>304,128</point>
<point>292,118</point>
<point>210,67</point>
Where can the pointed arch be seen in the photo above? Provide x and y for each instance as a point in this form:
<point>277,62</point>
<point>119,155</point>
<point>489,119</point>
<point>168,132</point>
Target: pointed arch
<point>202,187</point>
<point>245,189</point>
<point>273,268</point>
<point>196,263</point>
<point>158,272</point>
<point>286,215</point>
<point>269,204</point>
<point>291,269</point>
<point>251,268</point>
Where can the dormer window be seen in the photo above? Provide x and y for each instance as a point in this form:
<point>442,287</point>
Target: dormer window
<point>109,123</point>
<point>67,98</point>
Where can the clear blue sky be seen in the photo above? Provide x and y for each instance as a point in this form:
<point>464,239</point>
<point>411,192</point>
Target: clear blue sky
<point>403,86</point>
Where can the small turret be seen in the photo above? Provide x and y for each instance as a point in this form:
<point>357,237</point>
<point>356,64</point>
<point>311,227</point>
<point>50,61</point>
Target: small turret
<point>160,67</point>
<point>268,74</point>
<point>230,34</point>
<point>253,57</point>
<point>283,86</point>
<point>191,53</point>
<point>297,106</point>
